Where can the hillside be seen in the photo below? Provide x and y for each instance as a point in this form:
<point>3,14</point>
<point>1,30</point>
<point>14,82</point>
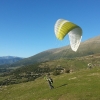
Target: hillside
<point>88,47</point>
<point>28,83</point>
<point>80,85</point>
<point>55,67</point>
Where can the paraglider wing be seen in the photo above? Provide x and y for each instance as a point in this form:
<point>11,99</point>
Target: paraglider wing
<point>75,38</point>
<point>64,27</point>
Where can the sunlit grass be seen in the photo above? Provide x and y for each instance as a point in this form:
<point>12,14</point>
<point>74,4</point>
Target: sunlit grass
<point>79,85</point>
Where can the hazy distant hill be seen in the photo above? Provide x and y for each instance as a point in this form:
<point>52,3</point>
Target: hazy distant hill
<point>88,47</point>
<point>9,59</point>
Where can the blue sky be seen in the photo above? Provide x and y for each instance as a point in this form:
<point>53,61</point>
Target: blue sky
<point>27,26</point>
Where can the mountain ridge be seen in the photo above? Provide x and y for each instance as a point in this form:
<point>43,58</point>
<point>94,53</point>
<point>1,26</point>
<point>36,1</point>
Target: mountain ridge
<point>9,59</point>
<point>88,47</point>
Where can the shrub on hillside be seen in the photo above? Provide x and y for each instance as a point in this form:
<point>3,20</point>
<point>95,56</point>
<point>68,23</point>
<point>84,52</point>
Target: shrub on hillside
<point>56,72</point>
<point>67,70</point>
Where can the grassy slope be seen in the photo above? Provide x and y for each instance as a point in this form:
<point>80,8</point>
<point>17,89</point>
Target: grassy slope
<point>80,85</point>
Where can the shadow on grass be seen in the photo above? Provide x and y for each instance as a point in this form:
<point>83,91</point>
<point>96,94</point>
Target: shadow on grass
<point>62,85</point>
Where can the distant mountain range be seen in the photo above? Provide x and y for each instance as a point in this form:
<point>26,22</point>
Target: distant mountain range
<point>9,59</point>
<point>88,47</point>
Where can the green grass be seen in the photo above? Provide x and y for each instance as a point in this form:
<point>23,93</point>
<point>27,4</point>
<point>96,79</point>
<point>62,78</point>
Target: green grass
<point>79,85</point>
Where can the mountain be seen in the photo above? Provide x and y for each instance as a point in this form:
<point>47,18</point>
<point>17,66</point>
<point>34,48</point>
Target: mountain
<point>9,59</point>
<point>88,47</point>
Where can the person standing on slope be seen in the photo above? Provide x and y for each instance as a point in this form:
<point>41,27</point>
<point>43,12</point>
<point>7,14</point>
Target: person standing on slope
<point>50,81</point>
